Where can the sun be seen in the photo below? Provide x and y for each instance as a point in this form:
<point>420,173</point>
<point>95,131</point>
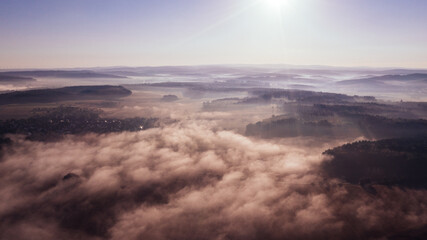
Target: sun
<point>276,3</point>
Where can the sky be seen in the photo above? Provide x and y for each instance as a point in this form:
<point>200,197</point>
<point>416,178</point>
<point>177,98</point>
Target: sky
<point>91,33</point>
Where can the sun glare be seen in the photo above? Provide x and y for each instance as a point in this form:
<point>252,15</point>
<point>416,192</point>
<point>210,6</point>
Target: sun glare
<point>275,3</point>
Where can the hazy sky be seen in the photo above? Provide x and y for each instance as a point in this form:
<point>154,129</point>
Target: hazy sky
<point>86,33</point>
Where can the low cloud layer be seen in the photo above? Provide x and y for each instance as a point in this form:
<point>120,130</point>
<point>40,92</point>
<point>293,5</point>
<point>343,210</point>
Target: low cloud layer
<point>188,181</point>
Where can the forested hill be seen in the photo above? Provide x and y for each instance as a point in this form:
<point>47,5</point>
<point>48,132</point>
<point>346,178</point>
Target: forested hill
<point>64,94</point>
<point>401,162</point>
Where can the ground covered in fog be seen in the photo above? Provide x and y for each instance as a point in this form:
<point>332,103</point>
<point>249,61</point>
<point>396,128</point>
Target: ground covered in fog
<point>241,156</point>
<point>187,181</point>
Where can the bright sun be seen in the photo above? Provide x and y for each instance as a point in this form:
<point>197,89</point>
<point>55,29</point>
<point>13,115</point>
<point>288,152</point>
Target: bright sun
<point>275,3</point>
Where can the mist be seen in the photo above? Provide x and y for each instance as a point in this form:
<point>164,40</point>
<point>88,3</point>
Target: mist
<point>190,181</point>
<point>231,153</point>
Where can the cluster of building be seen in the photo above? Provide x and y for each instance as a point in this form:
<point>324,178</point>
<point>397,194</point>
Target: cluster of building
<point>70,120</point>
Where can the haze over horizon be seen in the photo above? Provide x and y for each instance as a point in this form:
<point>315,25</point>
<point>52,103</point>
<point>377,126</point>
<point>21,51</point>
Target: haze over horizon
<point>63,34</point>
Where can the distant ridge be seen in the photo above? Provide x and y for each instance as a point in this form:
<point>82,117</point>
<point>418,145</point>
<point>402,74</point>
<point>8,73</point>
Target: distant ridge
<point>385,78</point>
<point>60,74</point>
<point>8,78</point>
<point>64,94</point>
